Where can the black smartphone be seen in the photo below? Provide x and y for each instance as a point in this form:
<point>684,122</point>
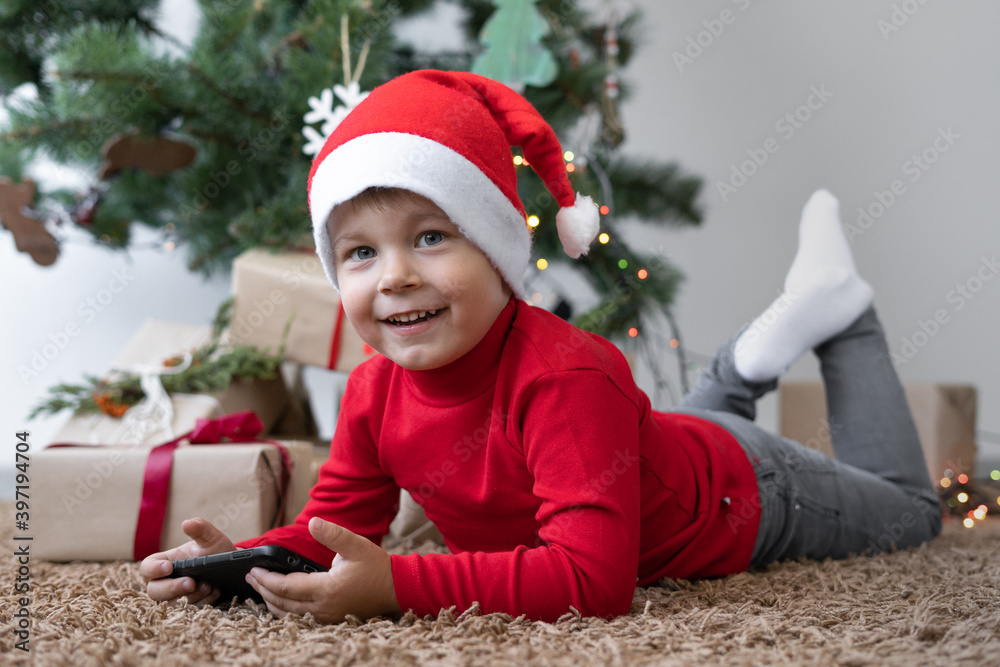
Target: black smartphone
<point>227,571</point>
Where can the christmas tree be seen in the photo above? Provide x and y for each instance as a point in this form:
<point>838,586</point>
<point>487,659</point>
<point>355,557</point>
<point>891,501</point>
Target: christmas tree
<point>206,142</point>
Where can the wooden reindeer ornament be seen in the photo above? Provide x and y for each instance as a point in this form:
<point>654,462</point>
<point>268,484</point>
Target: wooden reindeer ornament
<point>30,235</point>
<point>157,156</point>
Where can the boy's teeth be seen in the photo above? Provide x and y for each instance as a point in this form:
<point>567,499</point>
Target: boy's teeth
<point>410,317</point>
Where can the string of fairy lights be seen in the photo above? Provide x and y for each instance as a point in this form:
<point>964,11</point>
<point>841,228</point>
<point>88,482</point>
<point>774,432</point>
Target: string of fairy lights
<point>649,340</point>
<point>603,238</point>
<point>962,497</point>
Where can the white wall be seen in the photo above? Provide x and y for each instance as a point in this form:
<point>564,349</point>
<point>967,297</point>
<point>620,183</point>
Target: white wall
<point>890,97</point>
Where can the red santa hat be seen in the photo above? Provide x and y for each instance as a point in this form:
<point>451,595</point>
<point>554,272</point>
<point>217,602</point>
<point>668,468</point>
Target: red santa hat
<point>447,136</point>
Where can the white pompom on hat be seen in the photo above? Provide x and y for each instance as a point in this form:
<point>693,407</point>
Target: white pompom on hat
<point>447,136</point>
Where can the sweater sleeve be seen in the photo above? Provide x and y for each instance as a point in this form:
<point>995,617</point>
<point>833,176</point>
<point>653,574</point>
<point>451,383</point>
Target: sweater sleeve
<point>352,491</point>
<point>579,436</point>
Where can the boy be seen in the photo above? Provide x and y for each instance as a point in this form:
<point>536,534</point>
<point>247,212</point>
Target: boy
<point>526,440</point>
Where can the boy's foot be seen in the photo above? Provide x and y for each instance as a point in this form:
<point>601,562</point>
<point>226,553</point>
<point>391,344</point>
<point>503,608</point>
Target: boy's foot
<point>823,295</point>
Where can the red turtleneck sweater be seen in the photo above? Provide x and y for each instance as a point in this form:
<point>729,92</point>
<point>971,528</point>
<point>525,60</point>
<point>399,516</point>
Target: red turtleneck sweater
<point>542,464</point>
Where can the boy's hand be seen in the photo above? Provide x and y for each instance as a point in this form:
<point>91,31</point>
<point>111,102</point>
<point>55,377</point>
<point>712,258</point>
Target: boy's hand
<point>206,539</point>
<point>359,581</point>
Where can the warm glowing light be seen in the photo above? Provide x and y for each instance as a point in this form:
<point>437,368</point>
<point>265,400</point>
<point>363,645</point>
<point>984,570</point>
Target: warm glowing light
<point>568,155</point>
<point>571,167</point>
<point>605,210</point>
<point>995,475</point>
<point>603,238</point>
<point>169,246</point>
<point>969,523</point>
<point>533,220</point>
<point>963,479</point>
<point>537,297</point>
<point>674,343</point>
<point>622,264</point>
<point>945,482</point>
<point>979,514</point>
<point>643,274</point>
<point>518,160</point>
<point>633,332</point>
<point>963,497</point>
<point>542,264</point>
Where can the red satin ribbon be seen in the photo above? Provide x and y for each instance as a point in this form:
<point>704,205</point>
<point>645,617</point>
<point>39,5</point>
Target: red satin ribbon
<point>232,428</point>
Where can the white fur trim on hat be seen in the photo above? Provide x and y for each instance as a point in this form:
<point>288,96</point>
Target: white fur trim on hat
<point>397,160</point>
<point>578,225</point>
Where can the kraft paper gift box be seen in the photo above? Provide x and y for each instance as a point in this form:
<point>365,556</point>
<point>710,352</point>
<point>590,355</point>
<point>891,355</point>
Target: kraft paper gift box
<point>86,500</point>
<point>945,415</point>
<point>155,342</point>
<point>270,288</point>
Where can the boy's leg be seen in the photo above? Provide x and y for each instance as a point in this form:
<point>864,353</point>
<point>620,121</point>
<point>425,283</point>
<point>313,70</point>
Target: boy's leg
<point>870,421</point>
<point>720,388</point>
<point>878,494</point>
<point>822,295</point>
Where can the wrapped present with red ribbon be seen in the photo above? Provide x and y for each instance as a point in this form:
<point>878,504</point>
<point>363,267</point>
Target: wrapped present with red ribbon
<point>125,502</point>
<point>273,289</point>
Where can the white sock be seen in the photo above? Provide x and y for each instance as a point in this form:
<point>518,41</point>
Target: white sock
<point>823,295</point>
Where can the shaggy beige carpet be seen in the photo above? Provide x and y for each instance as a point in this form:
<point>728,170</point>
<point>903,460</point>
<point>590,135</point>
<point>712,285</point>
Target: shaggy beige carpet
<point>936,605</point>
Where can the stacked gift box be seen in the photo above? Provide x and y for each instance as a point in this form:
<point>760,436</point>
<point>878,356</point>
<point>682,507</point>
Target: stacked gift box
<point>91,477</point>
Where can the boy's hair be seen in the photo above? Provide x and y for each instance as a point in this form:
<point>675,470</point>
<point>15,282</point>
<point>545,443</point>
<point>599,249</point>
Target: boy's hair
<point>375,198</point>
<point>447,137</point>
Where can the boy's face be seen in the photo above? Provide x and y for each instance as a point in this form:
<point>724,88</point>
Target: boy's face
<point>414,287</point>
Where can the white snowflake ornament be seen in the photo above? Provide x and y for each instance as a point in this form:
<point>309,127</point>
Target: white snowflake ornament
<point>323,110</point>
<point>322,107</point>
<point>351,95</point>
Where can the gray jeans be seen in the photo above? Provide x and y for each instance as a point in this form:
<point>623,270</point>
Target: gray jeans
<point>876,495</point>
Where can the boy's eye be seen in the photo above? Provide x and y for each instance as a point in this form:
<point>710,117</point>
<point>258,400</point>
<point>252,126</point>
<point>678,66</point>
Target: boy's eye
<point>362,253</point>
<point>431,238</point>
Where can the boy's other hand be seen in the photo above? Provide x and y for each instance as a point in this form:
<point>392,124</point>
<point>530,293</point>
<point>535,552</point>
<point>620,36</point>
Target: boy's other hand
<point>359,581</point>
<point>206,539</point>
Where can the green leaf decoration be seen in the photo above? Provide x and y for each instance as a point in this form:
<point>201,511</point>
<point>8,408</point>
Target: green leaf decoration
<point>514,52</point>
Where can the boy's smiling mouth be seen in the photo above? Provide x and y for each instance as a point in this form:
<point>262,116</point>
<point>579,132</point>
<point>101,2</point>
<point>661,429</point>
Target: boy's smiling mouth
<point>412,317</point>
